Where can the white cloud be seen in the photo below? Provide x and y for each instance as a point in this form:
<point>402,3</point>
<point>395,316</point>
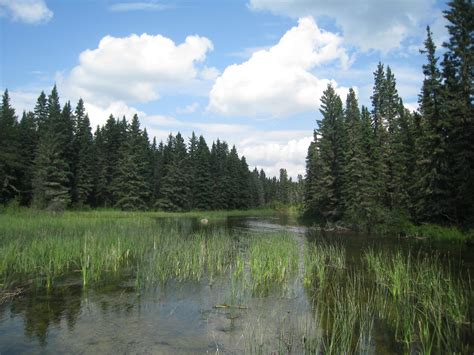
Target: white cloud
<point>22,100</point>
<point>367,24</point>
<point>137,6</point>
<point>136,68</point>
<point>99,114</point>
<point>278,81</point>
<point>27,11</point>
<point>191,108</point>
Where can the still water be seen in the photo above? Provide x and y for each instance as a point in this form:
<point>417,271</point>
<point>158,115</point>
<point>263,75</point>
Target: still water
<point>182,317</point>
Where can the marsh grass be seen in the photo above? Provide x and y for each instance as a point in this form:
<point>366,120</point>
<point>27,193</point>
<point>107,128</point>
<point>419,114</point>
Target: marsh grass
<point>273,260</point>
<point>428,308</point>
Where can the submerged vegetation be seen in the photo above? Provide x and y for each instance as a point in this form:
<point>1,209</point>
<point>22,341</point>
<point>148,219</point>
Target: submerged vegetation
<point>416,299</point>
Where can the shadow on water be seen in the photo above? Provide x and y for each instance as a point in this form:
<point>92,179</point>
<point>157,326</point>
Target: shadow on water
<point>182,316</point>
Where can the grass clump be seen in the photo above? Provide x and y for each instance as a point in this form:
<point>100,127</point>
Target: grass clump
<point>273,259</point>
<point>427,306</point>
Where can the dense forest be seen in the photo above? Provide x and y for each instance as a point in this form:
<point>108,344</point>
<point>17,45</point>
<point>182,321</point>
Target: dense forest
<point>366,167</point>
<point>50,159</point>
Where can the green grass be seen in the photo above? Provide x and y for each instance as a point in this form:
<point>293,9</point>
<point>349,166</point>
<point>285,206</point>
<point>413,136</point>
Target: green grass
<point>427,306</point>
<point>438,233</point>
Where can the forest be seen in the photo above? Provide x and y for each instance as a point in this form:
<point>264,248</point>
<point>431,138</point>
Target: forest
<point>372,165</point>
<point>51,160</point>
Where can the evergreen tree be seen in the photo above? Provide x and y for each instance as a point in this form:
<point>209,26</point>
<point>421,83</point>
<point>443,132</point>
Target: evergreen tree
<point>458,83</point>
<point>202,182</point>
<point>326,161</point>
<point>27,145</point>
<point>51,182</point>
<point>283,187</point>
<point>233,177</point>
<point>132,179</point>
<point>257,189</point>
<point>433,165</point>
<point>219,174</point>
<point>41,112</point>
<point>245,198</point>
<point>10,161</point>
<point>175,183</point>
<point>84,172</point>
<point>354,164</point>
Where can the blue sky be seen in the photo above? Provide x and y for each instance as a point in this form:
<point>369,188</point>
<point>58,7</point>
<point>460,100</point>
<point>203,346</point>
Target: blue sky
<point>250,72</point>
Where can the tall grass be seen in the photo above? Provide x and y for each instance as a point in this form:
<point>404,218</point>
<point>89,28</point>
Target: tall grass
<point>428,307</point>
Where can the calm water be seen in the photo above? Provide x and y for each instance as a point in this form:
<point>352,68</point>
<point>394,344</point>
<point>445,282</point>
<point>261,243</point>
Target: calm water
<point>180,317</point>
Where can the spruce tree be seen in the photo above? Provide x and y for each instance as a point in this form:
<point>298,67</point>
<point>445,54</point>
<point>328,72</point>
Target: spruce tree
<point>326,164</point>
<point>175,183</point>
<point>85,163</point>
<point>433,166</point>
<point>458,75</point>
<point>219,174</point>
<point>202,182</point>
<point>27,146</point>
<point>51,182</point>
<point>10,160</point>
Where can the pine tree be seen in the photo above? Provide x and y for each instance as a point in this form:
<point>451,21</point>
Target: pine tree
<point>459,88</point>
<point>41,112</point>
<point>175,183</point>
<point>283,191</point>
<point>51,172</point>
<point>433,165</point>
<point>326,161</point>
<point>245,198</point>
<point>257,189</point>
<point>354,164</point>
<point>202,182</point>
<point>27,146</point>
<point>192,150</point>
<point>84,172</point>
<point>132,180</point>
<point>10,161</point>
<point>219,174</point>
<point>233,177</point>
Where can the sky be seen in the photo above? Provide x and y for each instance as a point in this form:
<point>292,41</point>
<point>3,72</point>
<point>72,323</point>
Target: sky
<point>250,72</point>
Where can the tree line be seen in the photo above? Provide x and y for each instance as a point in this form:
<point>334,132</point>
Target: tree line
<point>51,159</point>
<point>365,167</point>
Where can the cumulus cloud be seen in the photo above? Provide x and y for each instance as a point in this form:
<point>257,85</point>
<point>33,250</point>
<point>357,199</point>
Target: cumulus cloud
<point>27,11</point>
<point>278,81</point>
<point>367,24</point>
<point>136,68</point>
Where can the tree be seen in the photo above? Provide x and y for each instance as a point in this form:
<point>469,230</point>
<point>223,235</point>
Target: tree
<point>219,174</point>
<point>28,141</point>
<point>458,75</point>
<point>84,173</point>
<point>325,165</point>
<point>175,183</point>
<point>10,161</point>
<point>51,182</point>
<point>51,176</point>
<point>433,164</point>
<point>202,182</point>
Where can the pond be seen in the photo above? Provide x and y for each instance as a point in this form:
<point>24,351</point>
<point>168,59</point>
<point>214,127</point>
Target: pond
<point>331,292</point>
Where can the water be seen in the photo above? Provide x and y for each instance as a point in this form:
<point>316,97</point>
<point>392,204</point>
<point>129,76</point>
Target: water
<point>182,317</point>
